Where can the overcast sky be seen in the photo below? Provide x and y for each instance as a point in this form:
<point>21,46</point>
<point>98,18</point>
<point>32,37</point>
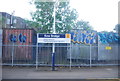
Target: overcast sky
<point>101,14</point>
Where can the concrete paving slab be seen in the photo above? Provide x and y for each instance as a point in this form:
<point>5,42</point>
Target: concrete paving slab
<point>61,73</point>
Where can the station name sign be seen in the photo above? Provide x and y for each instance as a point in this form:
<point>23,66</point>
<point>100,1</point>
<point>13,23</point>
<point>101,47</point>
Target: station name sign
<point>53,38</point>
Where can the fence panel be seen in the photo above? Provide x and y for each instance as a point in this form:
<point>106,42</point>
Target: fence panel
<point>18,54</point>
<point>44,55</point>
<point>108,56</point>
<point>81,55</point>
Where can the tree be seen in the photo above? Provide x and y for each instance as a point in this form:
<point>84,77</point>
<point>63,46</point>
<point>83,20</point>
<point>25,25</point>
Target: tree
<point>2,21</point>
<point>32,24</point>
<point>65,17</point>
<point>117,28</point>
<point>83,25</point>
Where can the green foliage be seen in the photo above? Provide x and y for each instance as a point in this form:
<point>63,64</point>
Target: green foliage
<point>65,17</point>
<point>2,20</point>
<point>117,28</point>
<point>83,25</point>
<point>32,23</point>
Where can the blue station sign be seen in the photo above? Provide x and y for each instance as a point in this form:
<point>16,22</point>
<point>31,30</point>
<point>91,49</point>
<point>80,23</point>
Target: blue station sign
<point>53,38</point>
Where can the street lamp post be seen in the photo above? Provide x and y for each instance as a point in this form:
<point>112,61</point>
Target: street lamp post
<point>11,19</point>
<point>54,32</point>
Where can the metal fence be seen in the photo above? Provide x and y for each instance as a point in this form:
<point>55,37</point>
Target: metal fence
<point>66,55</point>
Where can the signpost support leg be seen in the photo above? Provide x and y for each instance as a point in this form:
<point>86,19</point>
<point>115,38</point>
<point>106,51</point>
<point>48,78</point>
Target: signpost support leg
<point>53,57</point>
<point>53,61</point>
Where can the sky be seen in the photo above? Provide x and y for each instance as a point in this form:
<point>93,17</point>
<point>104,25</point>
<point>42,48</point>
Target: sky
<point>102,15</point>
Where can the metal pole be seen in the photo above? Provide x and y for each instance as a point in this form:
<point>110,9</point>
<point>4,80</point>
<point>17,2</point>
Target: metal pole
<point>54,19</point>
<point>98,48</point>
<point>37,54</point>
<point>90,55</point>
<point>13,54</point>
<point>54,32</point>
<point>53,57</point>
<point>11,23</point>
<point>70,57</point>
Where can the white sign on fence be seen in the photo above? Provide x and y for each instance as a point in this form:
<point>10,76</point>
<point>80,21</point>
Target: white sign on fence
<point>53,38</point>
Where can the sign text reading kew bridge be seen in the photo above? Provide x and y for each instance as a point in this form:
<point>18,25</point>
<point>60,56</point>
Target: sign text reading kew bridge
<point>53,38</point>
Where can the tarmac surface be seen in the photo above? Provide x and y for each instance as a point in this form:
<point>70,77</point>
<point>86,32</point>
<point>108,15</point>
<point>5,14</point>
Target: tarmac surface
<point>18,72</point>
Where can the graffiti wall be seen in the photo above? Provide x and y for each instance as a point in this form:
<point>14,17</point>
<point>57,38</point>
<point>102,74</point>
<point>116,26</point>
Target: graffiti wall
<point>81,41</point>
<point>91,37</point>
<point>108,38</point>
<point>19,37</point>
<point>83,37</point>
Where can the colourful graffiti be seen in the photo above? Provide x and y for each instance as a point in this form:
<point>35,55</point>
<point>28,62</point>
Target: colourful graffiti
<point>13,38</point>
<point>85,37</point>
<point>108,37</point>
<point>22,38</point>
<point>91,37</point>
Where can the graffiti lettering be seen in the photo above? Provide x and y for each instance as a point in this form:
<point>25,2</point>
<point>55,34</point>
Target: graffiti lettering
<point>13,38</point>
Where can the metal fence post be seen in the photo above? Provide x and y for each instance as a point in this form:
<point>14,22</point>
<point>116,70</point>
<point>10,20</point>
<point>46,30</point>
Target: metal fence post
<point>90,55</point>
<point>37,56</point>
<point>13,54</point>
<point>70,57</point>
